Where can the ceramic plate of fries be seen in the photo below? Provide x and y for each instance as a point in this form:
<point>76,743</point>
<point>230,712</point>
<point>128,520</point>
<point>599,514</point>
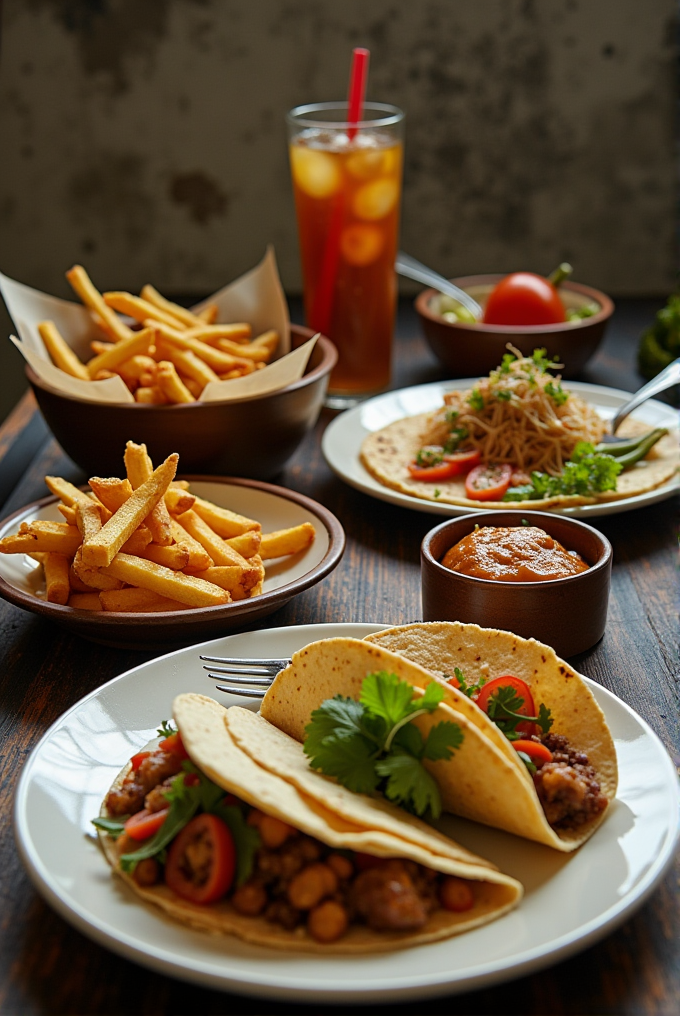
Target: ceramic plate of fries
<point>148,558</point>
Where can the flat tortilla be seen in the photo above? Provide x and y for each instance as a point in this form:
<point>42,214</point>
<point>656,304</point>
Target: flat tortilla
<point>480,781</point>
<point>386,454</point>
<point>205,735</point>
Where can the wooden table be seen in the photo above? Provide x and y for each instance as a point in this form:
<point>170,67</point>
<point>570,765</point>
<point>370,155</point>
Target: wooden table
<point>48,967</point>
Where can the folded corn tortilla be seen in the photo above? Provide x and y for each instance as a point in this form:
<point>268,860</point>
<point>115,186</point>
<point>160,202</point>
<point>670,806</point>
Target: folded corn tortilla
<point>484,780</point>
<point>207,738</point>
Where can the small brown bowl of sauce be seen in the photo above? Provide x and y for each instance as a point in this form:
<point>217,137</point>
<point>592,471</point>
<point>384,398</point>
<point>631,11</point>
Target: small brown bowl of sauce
<point>538,575</point>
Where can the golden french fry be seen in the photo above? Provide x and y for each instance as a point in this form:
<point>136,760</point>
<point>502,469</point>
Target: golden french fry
<point>219,549</point>
<point>186,362</point>
<point>249,351</point>
<point>60,352</point>
<point>180,484</point>
<point>57,584</point>
<point>226,576</point>
<point>195,387</point>
<point>199,558</point>
<point>246,544</point>
<point>77,584</point>
<point>139,468</point>
<point>137,344</point>
<point>215,358</point>
<point>186,317</point>
<point>85,601</point>
<point>286,541</point>
<point>111,491</point>
<point>208,314</point>
<point>134,599</point>
<point>269,340</point>
<point>139,309</point>
<point>68,513</point>
<point>93,577</point>
<point>50,537</point>
<point>138,542</point>
<point>97,346</point>
<point>104,375</point>
<point>65,491</point>
<point>176,557</point>
<point>212,333</point>
<point>224,522</point>
<point>151,395</point>
<point>102,548</point>
<point>92,298</point>
<point>148,575</point>
<point>133,369</point>
<point>239,593</point>
<point>178,500</point>
<point>88,519</point>
<point>170,383</point>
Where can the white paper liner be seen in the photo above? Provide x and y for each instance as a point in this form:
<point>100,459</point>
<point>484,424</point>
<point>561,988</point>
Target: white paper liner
<point>256,298</point>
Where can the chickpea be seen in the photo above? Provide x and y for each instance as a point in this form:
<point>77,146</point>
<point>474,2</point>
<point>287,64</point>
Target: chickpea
<point>250,899</point>
<point>126,845</point>
<point>274,832</point>
<point>327,922</point>
<point>456,894</point>
<point>342,866</point>
<point>147,872</point>
<point>311,885</point>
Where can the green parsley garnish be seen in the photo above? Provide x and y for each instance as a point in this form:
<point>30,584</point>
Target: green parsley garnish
<point>467,689</point>
<point>502,708</point>
<point>541,361</point>
<point>556,393</point>
<point>476,399</point>
<point>504,394</point>
<point>166,729</point>
<point>587,472</point>
<point>454,439</point>
<point>437,492</point>
<point>429,455</point>
<point>373,745</point>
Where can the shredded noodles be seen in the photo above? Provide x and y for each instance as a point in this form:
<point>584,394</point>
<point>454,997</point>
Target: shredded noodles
<point>519,414</point>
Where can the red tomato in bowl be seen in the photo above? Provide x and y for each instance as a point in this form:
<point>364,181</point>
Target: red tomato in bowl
<point>524,299</point>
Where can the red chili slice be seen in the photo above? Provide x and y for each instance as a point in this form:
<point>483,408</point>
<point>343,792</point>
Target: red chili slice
<point>204,873</point>
<point>145,823</point>
<point>521,689</point>
<point>537,752</point>
<point>488,482</point>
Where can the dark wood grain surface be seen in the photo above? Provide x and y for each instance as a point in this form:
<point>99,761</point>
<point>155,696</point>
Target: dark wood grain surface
<point>48,967</point>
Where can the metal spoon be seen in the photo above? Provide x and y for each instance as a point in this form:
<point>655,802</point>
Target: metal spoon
<point>668,377</point>
<point>412,269</point>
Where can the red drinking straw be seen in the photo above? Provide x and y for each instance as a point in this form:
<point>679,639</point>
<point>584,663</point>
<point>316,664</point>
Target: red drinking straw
<point>323,303</point>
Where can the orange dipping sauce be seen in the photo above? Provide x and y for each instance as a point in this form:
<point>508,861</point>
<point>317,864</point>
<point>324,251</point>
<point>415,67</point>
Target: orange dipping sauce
<point>512,554</point>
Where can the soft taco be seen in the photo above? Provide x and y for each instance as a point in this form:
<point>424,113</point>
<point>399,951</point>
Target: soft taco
<point>552,786</point>
<point>240,850</point>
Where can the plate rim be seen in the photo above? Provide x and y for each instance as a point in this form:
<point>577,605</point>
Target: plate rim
<point>413,988</point>
<point>372,488</point>
<point>114,621</point>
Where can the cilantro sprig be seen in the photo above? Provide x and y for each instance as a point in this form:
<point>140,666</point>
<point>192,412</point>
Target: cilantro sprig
<point>503,709</point>
<point>470,690</point>
<point>587,472</point>
<point>373,745</point>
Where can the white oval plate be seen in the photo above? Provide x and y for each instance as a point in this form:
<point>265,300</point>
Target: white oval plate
<point>344,436</point>
<point>571,900</point>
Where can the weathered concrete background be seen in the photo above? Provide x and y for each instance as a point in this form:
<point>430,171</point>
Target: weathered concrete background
<point>146,139</point>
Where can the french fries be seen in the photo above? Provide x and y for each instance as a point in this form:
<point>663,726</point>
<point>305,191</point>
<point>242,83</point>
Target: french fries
<point>145,543</point>
<point>172,358</point>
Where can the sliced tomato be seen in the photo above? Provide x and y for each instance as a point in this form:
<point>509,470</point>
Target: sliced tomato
<point>537,752</point>
<point>201,860</point>
<point>137,759</point>
<point>145,823</point>
<point>521,689</point>
<point>453,464</point>
<point>173,745</point>
<point>488,482</point>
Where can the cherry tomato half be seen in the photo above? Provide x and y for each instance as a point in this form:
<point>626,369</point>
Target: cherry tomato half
<point>201,860</point>
<point>488,482</point>
<point>145,823</point>
<point>524,299</point>
<point>537,752</point>
<point>521,689</point>
<point>453,464</point>
<point>173,745</point>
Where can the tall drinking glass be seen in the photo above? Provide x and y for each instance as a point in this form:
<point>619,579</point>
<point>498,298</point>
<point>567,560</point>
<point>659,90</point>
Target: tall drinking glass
<point>347,183</point>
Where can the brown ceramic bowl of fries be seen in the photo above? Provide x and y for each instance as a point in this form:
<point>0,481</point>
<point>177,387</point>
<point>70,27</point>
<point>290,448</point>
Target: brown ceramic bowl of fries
<point>149,560</point>
<point>252,437</point>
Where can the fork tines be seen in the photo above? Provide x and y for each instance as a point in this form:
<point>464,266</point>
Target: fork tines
<point>243,692</point>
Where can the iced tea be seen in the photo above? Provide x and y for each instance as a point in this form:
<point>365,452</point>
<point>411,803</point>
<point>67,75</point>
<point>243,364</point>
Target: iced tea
<point>347,196</point>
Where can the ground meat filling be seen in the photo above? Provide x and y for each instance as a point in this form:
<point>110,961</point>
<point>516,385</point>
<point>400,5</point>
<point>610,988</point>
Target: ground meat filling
<point>567,787</point>
<point>154,769</point>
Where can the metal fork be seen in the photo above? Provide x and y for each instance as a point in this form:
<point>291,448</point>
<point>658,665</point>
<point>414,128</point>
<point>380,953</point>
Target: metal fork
<point>251,677</point>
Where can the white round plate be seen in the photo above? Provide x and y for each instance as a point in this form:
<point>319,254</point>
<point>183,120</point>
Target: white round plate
<point>570,902</point>
<point>344,436</point>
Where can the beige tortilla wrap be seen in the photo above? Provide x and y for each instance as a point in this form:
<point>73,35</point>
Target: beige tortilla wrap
<point>480,781</point>
<point>386,454</point>
<point>205,735</point>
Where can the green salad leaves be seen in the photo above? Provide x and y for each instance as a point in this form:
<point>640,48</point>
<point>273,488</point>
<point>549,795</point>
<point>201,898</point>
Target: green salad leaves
<point>373,745</point>
<point>587,472</point>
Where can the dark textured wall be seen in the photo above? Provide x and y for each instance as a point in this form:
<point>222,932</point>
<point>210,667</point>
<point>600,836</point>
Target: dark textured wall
<point>146,139</point>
